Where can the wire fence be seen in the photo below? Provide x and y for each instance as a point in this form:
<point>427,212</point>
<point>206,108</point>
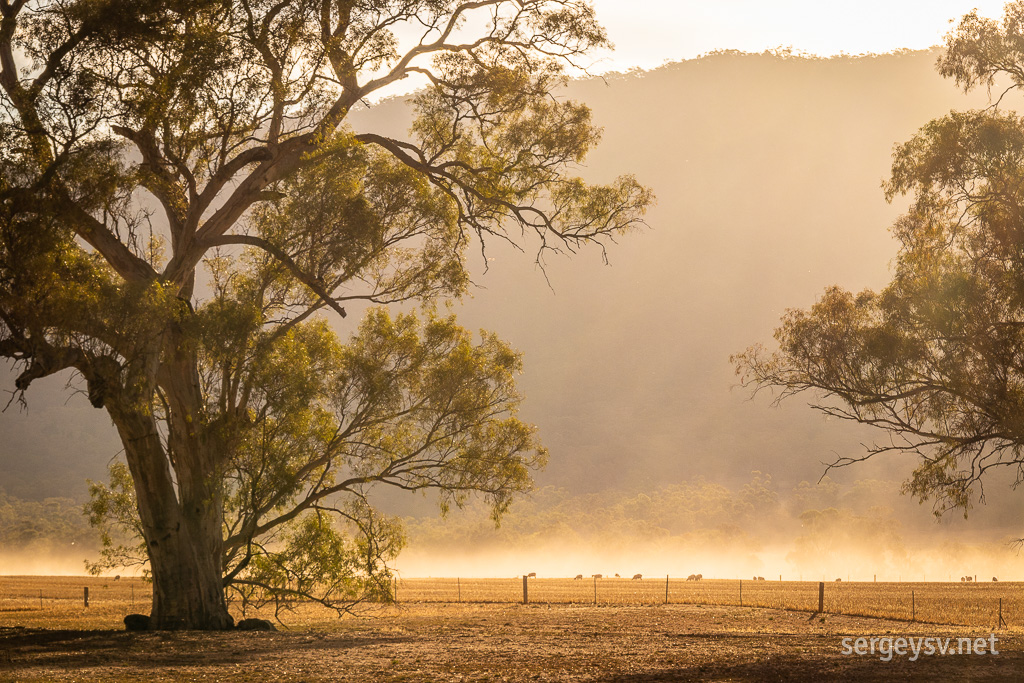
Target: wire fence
<point>971,604</point>
<point>66,601</point>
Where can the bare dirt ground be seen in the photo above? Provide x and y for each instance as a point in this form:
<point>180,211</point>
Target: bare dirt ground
<point>474,642</point>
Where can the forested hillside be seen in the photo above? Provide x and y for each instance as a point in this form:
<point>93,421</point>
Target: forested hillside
<point>767,170</point>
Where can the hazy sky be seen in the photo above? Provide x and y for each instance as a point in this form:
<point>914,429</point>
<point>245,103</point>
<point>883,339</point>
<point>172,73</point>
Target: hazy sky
<point>648,32</point>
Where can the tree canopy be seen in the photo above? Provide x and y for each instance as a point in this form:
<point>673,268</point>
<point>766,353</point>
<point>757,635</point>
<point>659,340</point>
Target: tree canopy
<point>181,203</point>
<point>936,359</point>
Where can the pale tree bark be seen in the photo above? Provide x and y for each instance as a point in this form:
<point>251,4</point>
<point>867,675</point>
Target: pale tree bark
<point>182,518</point>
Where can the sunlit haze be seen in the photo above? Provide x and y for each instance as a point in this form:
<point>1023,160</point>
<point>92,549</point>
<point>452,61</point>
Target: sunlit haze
<point>647,33</point>
<point>767,171</point>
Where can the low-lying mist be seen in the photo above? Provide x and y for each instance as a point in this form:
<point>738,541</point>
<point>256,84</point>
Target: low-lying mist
<point>813,532</point>
<point>563,559</point>
<point>861,531</point>
<point>44,563</point>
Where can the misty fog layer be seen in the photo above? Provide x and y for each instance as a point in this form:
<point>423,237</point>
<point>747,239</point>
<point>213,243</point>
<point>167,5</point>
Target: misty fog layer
<point>814,531</point>
<point>767,171</point>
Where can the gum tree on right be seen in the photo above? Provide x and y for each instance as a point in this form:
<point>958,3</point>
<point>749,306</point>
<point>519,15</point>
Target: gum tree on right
<point>935,359</point>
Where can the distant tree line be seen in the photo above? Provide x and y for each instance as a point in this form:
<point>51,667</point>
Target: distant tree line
<point>698,513</point>
<point>52,523</point>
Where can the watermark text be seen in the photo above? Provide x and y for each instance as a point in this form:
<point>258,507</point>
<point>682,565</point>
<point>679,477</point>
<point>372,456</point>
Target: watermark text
<point>887,647</point>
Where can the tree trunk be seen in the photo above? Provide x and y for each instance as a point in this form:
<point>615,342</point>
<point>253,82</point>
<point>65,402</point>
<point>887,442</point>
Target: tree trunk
<point>188,591</point>
<point>182,524</point>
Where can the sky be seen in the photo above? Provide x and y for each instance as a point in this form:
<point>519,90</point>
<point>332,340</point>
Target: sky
<point>647,33</point>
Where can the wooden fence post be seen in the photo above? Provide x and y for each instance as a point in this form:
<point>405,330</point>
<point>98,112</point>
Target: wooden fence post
<point>821,597</point>
<point>86,596</point>
<point>525,594</point>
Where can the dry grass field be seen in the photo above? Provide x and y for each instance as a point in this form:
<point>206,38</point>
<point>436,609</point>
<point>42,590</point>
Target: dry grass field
<point>58,602</point>
<point>630,635</point>
<point>971,604</point>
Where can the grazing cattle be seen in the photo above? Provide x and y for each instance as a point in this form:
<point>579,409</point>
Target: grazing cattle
<point>970,579</point>
<point>839,580</point>
<point>694,577</point>
<point>759,578</point>
<point>637,577</point>
<point>994,578</point>
<point>117,578</point>
<point>962,579</point>
<point>579,577</point>
<point>532,575</point>
<point>597,576</point>
<point>617,576</point>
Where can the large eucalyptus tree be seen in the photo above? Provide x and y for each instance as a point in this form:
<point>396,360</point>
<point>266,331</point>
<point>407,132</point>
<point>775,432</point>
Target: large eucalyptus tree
<point>182,203</point>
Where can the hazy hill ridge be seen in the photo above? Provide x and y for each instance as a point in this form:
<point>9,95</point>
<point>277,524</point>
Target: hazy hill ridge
<point>767,169</point>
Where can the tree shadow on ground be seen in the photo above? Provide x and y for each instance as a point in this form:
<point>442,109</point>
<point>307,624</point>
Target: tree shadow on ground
<point>1006,666</point>
<point>69,649</point>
